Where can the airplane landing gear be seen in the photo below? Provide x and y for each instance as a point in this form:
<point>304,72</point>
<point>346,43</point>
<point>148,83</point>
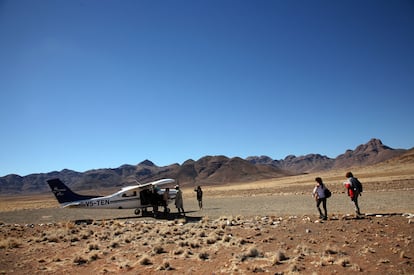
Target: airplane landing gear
<point>137,211</point>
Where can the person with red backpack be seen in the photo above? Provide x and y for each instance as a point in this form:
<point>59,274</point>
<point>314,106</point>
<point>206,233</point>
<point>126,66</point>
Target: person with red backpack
<point>354,188</point>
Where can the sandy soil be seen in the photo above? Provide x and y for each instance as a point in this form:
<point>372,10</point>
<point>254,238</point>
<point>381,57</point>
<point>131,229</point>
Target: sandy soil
<point>249,231</point>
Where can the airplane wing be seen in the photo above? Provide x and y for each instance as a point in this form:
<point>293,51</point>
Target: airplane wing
<point>129,188</point>
<point>154,183</point>
<point>157,182</point>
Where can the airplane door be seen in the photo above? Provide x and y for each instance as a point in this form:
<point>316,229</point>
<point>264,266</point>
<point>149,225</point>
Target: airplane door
<point>145,196</point>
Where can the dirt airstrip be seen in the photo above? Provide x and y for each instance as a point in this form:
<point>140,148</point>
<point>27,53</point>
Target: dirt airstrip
<point>239,231</point>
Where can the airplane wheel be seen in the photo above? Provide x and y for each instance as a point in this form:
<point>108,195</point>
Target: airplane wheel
<point>168,210</point>
<point>137,211</point>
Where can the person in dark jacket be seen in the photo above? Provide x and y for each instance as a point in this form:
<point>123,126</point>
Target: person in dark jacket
<point>199,196</point>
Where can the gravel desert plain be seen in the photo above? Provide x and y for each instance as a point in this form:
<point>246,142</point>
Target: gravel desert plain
<point>267,226</point>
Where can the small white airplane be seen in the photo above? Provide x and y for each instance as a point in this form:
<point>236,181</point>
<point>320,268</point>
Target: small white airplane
<point>139,197</point>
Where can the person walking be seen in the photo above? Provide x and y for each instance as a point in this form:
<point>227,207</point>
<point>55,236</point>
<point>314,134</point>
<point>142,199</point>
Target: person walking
<point>179,201</point>
<point>319,194</point>
<point>199,196</point>
<point>354,188</point>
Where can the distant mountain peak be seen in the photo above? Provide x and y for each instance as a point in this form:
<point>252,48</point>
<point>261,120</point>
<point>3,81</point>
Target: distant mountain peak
<point>374,145</point>
<point>147,163</point>
<point>377,143</point>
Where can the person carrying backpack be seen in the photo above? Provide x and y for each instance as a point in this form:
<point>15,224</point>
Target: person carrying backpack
<point>320,195</point>
<point>354,188</point>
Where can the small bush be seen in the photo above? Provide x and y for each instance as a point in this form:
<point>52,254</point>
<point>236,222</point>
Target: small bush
<point>79,260</point>
<point>279,257</point>
<point>159,249</point>
<point>9,243</point>
<point>145,260</point>
<point>203,256</point>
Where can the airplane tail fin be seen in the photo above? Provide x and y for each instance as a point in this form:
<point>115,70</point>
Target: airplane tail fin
<point>63,194</point>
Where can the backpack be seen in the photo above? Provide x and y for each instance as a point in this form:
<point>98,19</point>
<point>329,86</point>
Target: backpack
<point>356,185</point>
<point>327,193</point>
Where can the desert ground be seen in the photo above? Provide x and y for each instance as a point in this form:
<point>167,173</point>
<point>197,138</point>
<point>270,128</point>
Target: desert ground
<point>267,226</point>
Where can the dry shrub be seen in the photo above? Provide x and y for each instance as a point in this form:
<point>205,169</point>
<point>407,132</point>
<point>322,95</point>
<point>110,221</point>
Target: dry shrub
<point>243,241</point>
<point>165,232</point>
<point>279,257</point>
<point>183,243</point>
<point>194,244</point>
<point>257,269</point>
<point>79,260</point>
<point>356,267</point>
<point>383,261</point>
<point>179,251</point>
<point>329,250</point>
<point>70,225</point>
<point>227,238</point>
<point>326,260</point>
<point>159,249</point>
<point>252,252</point>
<point>188,254</point>
<point>165,266</point>
<point>125,265</point>
<point>74,239</point>
<point>212,238</point>
<point>145,260</point>
<point>86,234</point>
<point>10,243</point>
<point>343,261</point>
<point>303,250</point>
<point>205,220</point>
<point>203,255</point>
<point>54,237</point>
<point>294,268</point>
<point>94,257</point>
<point>93,246</point>
<point>114,244</point>
<point>367,249</point>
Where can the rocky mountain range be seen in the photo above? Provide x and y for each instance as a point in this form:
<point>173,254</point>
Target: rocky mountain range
<point>366,154</point>
<point>209,170</point>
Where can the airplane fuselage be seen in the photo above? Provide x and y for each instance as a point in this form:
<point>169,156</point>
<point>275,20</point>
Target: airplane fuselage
<point>137,196</point>
<point>117,201</point>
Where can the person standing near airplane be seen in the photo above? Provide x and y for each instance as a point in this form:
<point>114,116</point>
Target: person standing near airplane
<point>199,196</point>
<point>165,198</point>
<point>179,201</point>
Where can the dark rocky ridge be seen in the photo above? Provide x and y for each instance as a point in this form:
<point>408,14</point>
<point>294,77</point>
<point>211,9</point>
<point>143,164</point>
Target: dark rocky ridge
<point>209,170</point>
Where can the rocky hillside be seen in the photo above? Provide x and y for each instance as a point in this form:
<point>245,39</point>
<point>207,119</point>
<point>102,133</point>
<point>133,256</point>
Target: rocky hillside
<point>205,171</point>
<point>366,154</point>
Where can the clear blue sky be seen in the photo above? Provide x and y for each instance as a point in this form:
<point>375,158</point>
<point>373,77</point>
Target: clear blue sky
<point>97,84</point>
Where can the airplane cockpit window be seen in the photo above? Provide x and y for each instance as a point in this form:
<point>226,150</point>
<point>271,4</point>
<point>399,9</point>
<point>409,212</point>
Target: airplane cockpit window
<point>129,194</point>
